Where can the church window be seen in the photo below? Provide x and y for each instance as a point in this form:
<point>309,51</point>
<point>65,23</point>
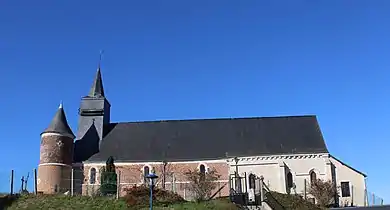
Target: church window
<point>146,173</point>
<point>252,181</point>
<point>313,177</point>
<point>345,191</point>
<point>289,180</point>
<point>202,169</point>
<point>92,176</point>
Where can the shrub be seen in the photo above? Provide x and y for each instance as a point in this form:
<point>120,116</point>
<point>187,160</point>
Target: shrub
<point>139,196</point>
<point>323,191</point>
<point>202,184</point>
<point>108,178</point>
<point>294,202</point>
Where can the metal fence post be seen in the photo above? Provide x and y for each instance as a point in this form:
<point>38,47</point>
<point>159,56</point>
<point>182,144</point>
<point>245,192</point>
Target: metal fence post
<point>118,185</point>
<point>72,182</point>
<point>261,190</point>
<point>305,188</point>
<point>12,182</point>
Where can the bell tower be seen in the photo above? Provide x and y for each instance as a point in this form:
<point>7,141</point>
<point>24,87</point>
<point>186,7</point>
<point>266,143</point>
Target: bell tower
<point>56,156</point>
<point>94,116</point>
<point>94,112</point>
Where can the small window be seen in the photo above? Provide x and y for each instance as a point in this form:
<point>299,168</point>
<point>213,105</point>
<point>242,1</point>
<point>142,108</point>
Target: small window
<point>289,180</point>
<point>313,177</point>
<point>202,170</point>
<point>252,181</point>
<point>92,176</point>
<point>345,191</point>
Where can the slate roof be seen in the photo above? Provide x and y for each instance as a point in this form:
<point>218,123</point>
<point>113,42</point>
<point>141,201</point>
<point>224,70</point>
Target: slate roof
<point>97,89</point>
<point>181,140</point>
<point>59,124</point>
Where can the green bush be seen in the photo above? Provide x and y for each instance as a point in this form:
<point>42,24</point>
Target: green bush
<point>109,183</point>
<point>108,178</point>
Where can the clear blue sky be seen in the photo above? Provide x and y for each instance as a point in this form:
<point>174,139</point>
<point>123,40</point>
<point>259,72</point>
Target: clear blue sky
<point>201,59</point>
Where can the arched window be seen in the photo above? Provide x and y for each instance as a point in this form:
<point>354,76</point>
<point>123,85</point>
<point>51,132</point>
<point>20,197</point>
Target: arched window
<point>313,177</point>
<point>92,176</point>
<point>289,180</point>
<point>252,181</point>
<point>202,170</point>
<point>146,173</point>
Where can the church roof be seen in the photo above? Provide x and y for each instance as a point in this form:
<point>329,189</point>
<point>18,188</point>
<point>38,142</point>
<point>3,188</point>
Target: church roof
<point>59,124</point>
<point>184,140</point>
<point>97,86</point>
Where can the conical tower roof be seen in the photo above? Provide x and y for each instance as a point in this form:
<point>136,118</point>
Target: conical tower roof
<point>97,86</point>
<point>59,124</point>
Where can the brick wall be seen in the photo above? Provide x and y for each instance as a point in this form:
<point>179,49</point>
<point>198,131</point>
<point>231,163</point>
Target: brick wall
<point>132,174</point>
<point>56,157</point>
<point>54,179</point>
<point>56,149</point>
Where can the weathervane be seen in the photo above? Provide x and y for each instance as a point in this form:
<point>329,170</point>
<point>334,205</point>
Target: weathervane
<point>100,57</point>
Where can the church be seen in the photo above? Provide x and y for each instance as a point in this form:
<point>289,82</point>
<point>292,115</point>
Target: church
<point>287,151</point>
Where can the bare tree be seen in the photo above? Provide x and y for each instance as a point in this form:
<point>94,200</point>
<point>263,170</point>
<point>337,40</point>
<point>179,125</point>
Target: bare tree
<point>323,191</point>
<point>165,171</point>
<point>202,184</point>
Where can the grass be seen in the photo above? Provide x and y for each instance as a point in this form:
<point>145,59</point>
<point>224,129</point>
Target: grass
<point>62,202</point>
<point>215,204</point>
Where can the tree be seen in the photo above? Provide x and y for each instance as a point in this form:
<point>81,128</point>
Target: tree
<point>165,168</point>
<point>165,171</point>
<point>202,184</point>
<point>108,178</point>
<point>323,191</point>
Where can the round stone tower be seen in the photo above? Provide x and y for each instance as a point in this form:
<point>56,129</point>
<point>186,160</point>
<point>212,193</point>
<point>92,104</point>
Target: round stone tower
<point>56,156</point>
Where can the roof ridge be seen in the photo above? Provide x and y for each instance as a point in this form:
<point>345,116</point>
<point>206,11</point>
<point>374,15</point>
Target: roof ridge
<point>216,119</point>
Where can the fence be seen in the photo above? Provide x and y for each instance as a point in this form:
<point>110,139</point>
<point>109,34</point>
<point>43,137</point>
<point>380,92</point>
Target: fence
<point>16,181</point>
<point>179,187</point>
<point>79,182</point>
<point>357,196</point>
<point>373,200</point>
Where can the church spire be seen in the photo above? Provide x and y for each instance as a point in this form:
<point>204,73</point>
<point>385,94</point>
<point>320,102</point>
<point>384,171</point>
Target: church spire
<point>59,124</point>
<point>97,85</point>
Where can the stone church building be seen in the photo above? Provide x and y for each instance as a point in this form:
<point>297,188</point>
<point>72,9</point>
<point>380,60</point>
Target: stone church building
<point>288,151</point>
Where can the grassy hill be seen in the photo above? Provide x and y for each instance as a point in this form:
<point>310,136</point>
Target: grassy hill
<point>104,203</point>
<point>63,202</point>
